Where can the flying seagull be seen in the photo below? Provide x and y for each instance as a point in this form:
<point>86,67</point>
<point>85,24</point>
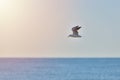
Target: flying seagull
<point>75,32</point>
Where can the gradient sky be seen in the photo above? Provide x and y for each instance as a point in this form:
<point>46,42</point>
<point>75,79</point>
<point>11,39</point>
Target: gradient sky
<point>39,28</point>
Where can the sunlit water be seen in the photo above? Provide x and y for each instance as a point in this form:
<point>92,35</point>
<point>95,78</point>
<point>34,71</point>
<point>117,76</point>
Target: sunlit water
<point>60,69</point>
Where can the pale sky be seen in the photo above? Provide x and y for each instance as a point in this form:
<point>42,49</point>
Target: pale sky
<point>40,28</point>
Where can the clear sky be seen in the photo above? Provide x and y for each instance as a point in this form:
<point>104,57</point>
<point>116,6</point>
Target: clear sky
<point>39,28</point>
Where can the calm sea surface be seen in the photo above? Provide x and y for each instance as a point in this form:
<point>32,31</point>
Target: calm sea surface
<point>60,69</point>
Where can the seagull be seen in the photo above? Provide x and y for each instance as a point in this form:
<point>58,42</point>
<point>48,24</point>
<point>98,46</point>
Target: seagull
<point>75,32</point>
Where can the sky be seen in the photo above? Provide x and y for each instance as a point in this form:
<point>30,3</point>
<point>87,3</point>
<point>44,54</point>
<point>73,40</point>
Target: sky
<point>40,28</point>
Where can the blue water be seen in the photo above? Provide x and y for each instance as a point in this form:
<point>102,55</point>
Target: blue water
<point>60,69</point>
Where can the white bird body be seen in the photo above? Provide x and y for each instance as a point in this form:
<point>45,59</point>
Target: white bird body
<point>75,32</point>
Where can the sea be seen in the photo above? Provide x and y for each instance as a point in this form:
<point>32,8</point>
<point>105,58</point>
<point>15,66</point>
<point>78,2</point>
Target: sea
<point>59,68</point>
